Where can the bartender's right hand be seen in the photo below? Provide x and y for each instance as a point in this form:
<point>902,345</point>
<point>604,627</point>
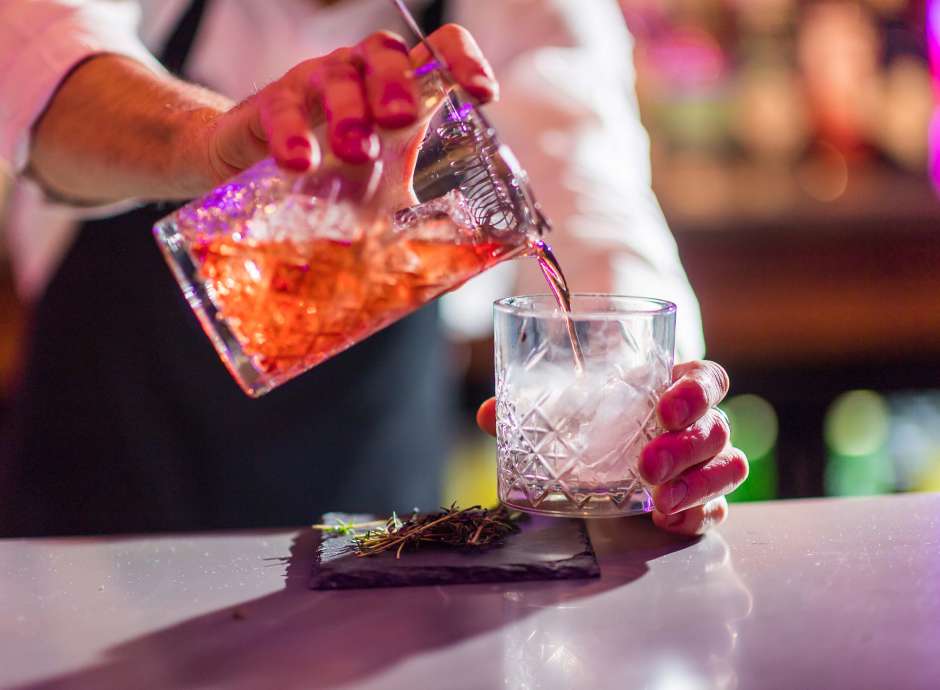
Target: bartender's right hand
<point>354,90</point>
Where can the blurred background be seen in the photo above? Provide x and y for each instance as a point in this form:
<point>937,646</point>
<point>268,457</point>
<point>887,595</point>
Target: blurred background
<point>792,157</point>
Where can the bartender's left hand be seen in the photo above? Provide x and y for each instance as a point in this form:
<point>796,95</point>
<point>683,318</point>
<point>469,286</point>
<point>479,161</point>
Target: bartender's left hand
<point>692,465</point>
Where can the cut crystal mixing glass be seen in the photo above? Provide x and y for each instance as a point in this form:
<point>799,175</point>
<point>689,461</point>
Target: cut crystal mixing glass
<point>285,270</point>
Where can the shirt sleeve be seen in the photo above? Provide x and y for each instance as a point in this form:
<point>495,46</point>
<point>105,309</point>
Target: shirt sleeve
<point>568,110</point>
<point>40,42</point>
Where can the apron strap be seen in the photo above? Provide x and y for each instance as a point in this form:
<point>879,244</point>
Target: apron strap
<point>180,43</point>
<point>433,16</point>
<point>127,421</point>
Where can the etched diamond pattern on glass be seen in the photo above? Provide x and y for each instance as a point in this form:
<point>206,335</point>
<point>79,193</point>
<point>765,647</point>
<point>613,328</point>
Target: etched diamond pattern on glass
<point>568,439</point>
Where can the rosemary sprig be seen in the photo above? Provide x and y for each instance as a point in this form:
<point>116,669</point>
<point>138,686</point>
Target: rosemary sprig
<point>473,527</point>
<point>351,529</point>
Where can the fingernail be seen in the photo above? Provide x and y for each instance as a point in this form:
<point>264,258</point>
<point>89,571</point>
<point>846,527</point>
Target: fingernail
<point>482,87</point>
<point>398,106</point>
<point>299,143</point>
<point>297,164</point>
<point>396,114</point>
<point>396,95</point>
<point>394,43</point>
<point>353,129</point>
<point>675,495</point>
<point>680,412</point>
<point>356,141</point>
<point>664,463</point>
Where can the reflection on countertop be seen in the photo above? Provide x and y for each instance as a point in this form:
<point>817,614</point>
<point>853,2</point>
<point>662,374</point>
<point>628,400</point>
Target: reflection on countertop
<point>792,594</point>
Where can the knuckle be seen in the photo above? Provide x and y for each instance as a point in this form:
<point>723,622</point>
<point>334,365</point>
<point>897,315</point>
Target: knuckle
<point>304,68</point>
<point>694,391</point>
<point>700,486</point>
<point>384,72</point>
<point>452,31</point>
<point>738,465</point>
<point>339,71</point>
<point>385,40</point>
<point>340,65</point>
<point>673,442</point>
<point>717,377</point>
<point>270,93</point>
<point>681,369</point>
<point>725,473</point>
<point>720,430</point>
<point>697,435</point>
<point>275,101</point>
<point>344,55</point>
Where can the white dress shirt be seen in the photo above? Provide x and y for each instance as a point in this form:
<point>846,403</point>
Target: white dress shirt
<point>567,109</point>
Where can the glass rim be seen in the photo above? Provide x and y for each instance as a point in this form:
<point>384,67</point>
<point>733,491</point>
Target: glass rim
<point>651,306</point>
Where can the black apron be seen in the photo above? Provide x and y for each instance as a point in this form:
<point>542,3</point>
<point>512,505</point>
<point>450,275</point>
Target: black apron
<point>125,419</point>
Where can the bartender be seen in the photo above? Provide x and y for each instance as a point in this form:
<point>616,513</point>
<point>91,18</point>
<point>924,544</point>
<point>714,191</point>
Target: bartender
<point>124,419</point>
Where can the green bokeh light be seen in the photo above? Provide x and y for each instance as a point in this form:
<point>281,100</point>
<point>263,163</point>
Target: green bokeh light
<point>753,424</point>
<point>754,430</point>
<point>857,423</point>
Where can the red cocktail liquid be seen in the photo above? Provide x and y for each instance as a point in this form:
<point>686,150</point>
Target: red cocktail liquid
<point>292,305</point>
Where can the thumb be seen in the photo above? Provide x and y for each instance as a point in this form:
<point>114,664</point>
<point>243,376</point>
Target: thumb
<point>231,145</point>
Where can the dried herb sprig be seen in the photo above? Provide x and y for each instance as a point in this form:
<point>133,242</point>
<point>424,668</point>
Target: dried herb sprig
<point>351,529</point>
<point>472,527</point>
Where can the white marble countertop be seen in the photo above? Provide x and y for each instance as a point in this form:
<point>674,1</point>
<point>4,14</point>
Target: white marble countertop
<point>800,594</point>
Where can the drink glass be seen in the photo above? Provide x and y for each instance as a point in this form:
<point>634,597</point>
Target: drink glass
<point>570,425</point>
<point>286,270</point>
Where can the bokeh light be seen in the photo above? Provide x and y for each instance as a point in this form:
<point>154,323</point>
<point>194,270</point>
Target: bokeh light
<point>754,429</point>
<point>856,430</point>
<point>914,440</point>
<point>470,473</point>
<point>753,423</point>
<point>824,176</point>
<point>857,423</point>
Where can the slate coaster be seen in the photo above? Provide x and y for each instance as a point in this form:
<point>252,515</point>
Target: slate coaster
<point>543,549</point>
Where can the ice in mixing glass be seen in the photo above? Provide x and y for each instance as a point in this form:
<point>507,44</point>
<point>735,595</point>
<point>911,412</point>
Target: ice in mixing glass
<point>293,287</point>
<point>569,434</point>
<point>284,271</point>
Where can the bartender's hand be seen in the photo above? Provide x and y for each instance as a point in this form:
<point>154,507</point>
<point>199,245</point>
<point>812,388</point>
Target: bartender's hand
<point>116,129</point>
<point>354,89</point>
<point>692,465</point>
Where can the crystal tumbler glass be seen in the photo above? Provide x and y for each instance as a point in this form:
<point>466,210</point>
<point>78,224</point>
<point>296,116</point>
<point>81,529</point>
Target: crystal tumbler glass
<point>570,425</point>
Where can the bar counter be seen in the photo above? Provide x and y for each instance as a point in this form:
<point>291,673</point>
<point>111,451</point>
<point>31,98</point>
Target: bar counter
<point>825,593</point>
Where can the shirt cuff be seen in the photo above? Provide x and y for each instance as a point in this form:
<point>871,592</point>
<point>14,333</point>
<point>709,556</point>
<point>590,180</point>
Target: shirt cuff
<point>41,43</point>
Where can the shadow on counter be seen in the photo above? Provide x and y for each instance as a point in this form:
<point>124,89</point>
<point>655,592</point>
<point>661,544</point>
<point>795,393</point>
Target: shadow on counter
<point>300,638</point>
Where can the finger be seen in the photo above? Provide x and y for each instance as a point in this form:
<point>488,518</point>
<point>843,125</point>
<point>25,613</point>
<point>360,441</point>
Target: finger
<point>694,521</point>
<point>464,60</point>
<point>697,387</point>
<point>390,91</point>
<point>486,416</point>
<point>700,484</point>
<point>236,140</point>
<point>284,124</point>
<point>669,454</point>
<point>349,125</point>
